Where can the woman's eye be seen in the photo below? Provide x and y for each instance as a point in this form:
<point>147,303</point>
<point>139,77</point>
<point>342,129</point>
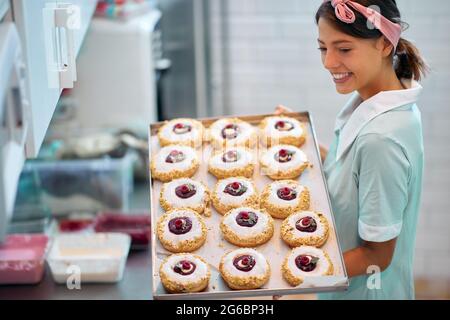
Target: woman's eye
<point>345,50</point>
<point>322,49</point>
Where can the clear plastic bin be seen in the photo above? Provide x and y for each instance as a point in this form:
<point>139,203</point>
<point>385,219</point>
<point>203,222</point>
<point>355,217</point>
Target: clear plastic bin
<point>22,258</point>
<point>92,258</point>
<point>67,186</point>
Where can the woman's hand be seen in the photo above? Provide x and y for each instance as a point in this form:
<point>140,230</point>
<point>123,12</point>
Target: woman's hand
<point>323,152</point>
<point>280,109</point>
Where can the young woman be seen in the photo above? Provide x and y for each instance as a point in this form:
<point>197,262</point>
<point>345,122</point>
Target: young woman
<point>374,166</point>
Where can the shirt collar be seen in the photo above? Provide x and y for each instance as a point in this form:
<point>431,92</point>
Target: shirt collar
<point>357,113</point>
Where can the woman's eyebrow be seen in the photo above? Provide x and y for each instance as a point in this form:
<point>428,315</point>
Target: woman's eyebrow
<point>335,42</point>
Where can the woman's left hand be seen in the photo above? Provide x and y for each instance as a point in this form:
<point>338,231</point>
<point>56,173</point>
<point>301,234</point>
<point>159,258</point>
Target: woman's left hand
<point>280,109</point>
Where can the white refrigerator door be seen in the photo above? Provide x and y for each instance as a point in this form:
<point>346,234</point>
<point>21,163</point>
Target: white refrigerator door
<point>51,33</point>
<point>13,127</point>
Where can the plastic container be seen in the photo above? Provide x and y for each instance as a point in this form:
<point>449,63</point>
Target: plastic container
<point>22,258</point>
<point>137,226</point>
<point>67,186</point>
<point>42,225</point>
<point>74,225</point>
<point>92,258</point>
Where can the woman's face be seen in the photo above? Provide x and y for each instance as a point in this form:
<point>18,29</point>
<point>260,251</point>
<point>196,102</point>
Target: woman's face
<point>353,63</point>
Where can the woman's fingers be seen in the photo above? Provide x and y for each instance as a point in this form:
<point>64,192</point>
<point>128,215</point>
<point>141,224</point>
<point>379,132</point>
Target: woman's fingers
<point>280,109</point>
<point>323,152</point>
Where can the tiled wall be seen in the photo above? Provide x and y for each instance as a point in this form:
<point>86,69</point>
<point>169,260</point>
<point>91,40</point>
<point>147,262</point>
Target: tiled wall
<point>264,52</point>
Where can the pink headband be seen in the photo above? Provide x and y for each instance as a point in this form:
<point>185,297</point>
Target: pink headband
<point>388,28</point>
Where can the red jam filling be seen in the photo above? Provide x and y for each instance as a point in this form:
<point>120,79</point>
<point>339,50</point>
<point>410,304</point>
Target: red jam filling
<point>235,189</point>
<point>286,193</point>
<point>306,224</point>
<point>185,191</point>
<point>244,263</point>
<point>284,155</point>
<point>181,128</point>
<point>180,225</point>
<point>230,131</point>
<point>175,156</point>
<point>284,125</point>
<point>246,219</point>
<point>184,267</point>
<point>306,263</point>
<point>230,156</point>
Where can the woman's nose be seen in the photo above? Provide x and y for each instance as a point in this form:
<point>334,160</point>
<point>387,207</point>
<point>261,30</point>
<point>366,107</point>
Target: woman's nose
<point>330,60</point>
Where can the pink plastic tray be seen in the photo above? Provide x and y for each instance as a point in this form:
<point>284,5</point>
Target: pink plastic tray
<point>22,258</point>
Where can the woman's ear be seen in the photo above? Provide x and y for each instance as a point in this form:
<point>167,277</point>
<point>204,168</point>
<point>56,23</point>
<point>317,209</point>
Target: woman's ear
<point>387,47</point>
<point>383,46</point>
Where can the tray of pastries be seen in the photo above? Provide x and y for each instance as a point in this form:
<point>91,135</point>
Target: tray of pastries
<point>239,208</point>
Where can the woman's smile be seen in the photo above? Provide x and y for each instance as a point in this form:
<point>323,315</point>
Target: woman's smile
<point>341,77</point>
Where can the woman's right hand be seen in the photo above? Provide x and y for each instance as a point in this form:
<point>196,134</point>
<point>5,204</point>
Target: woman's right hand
<point>323,152</point>
<point>280,109</point>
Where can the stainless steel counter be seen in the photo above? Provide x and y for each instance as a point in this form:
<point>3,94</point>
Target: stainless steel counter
<point>136,282</point>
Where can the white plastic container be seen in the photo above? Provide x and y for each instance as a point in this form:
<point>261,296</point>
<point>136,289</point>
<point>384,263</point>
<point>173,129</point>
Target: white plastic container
<point>89,258</point>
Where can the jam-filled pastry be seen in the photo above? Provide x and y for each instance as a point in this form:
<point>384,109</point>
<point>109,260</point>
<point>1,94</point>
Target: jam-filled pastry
<point>182,131</point>
<point>181,230</point>
<point>305,228</point>
<point>234,192</point>
<point>283,162</point>
<point>232,132</point>
<point>284,197</point>
<point>282,130</point>
<point>247,227</point>
<point>174,161</point>
<point>306,261</point>
<point>232,162</point>
<point>184,272</point>
<point>244,269</point>
<point>185,193</point>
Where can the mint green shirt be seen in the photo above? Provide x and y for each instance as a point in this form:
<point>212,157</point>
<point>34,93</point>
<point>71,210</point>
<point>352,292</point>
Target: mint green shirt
<point>374,173</point>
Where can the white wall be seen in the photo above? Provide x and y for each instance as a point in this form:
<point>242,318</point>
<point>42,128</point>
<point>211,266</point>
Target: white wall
<point>264,52</point>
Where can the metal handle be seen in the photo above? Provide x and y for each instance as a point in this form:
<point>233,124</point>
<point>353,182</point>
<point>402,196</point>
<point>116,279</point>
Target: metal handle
<point>60,21</point>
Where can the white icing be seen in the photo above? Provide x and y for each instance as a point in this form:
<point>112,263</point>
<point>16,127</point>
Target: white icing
<point>270,130</point>
<point>321,267</point>
<point>163,166</point>
<point>170,196</point>
<point>320,231</point>
<point>246,158</point>
<point>298,158</point>
<point>260,269</point>
<point>168,133</point>
<point>200,271</point>
<point>274,199</point>
<point>246,130</point>
<point>228,199</point>
<point>261,225</point>
<point>195,232</point>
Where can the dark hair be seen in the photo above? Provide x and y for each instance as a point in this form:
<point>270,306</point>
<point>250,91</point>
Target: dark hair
<point>408,62</point>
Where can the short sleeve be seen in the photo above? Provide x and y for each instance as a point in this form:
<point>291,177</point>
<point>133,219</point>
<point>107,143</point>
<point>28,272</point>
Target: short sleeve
<point>383,171</point>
